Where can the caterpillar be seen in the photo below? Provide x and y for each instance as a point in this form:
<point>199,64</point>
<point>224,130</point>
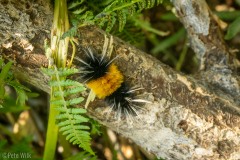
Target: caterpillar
<point>107,82</point>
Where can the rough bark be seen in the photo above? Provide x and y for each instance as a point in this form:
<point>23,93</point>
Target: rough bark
<point>218,65</point>
<point>189,118</point>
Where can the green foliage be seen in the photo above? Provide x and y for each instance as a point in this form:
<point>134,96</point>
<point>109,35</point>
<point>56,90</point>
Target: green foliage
<point>111,15</point>
<point>233,17</point>
<point>228,15</point>
<point>168,42</point>
<point>71,121</point>
<point>95,127</point>
<point>4,76</point>
<point>147,26</point>
<point>127,33</point>
<point>7,103</point>
<point>233,29</point>
<point>17,150</point>
<point>120,10</point>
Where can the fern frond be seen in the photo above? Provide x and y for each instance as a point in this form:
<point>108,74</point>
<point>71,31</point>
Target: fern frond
<point>20,90</point>
<point>7,78</point>
<point>71,126</point>
<point>122,19</point>
<point>121,9</point>
<point>71,121</point>
<point>111,11</point>
<point>110,24</point>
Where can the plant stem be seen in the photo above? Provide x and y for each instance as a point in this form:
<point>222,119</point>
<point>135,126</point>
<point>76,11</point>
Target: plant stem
<point>59,48</point>
<point>182,57</point>
<point>52,135</point>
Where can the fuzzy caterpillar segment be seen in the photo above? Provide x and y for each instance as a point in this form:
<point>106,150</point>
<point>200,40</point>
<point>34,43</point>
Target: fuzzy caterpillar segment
<point>104,86</point>
<point>107,82</point>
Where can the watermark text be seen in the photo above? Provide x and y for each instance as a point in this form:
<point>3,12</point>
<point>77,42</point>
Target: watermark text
<point>17,155</point>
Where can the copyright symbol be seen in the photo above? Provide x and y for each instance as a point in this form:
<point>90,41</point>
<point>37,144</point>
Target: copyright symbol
<point>4,155</point>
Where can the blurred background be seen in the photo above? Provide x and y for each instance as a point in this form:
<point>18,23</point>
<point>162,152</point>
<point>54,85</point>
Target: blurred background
<point>157,31</point>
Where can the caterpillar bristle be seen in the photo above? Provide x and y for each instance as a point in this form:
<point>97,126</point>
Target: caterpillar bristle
<point>104,78</point>
<point>89,53</point>
<point>134,89</point>
<point>80,60</point>
<point>111,61</point>
<point>140,101</point>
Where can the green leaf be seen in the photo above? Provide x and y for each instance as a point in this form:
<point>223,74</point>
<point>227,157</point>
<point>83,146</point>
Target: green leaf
<point>70,91</point>
<point>77,110</point>
<point>80,10</point>
<point>147,26</point>
<point>74,4</point>
<point>2,90</point>
<point>228,15</point>
<point>141,6</point>
<point>58,102</point>
<point>3,77</point>
<point>72,117</point>
<point>63,83</point>
<point>1,63</point>
<point>9,105</point>
<point>169,41</point>
<point>233,29</point>
<point>68,121</point>
<point>18,86</point>
<point>95,127</point>
<point>110,24</point>
<point>5,71</point>
<point>32,94</point>
<point>65,128</point>
<point>22,97</point>
<point>68,128</point>
<point>70,33</point>
<point>62,72</point>
<point>71,138</point>
<point>67,103</point>
<point>75,101</point>
<point>122,18</point>
<point>21,92</point>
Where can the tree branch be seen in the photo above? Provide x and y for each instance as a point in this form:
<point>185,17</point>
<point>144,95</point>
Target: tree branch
<point>219,67</point>
<point>186,120</point>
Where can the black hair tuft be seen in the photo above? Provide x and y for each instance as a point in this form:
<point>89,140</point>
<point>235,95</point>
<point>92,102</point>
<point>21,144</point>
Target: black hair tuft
<point>94,66</point>
<point>121,100</point>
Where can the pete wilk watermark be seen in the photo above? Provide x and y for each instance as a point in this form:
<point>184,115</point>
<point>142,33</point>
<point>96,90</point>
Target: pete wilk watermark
<point>12,155</point>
